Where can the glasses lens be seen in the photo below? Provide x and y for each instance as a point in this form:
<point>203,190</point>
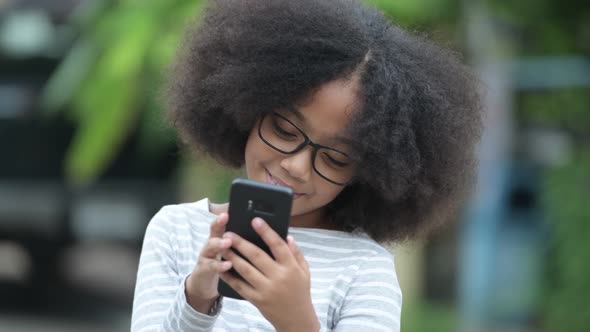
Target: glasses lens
<point>334,165</point>
<point>281,134</point>
<point>285,137</point>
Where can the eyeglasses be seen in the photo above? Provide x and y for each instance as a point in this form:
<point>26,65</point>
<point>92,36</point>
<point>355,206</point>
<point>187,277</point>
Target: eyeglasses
<point>284,136</point>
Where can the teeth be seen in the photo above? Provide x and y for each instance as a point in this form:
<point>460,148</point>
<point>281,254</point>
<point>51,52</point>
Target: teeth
<point>273,181</point>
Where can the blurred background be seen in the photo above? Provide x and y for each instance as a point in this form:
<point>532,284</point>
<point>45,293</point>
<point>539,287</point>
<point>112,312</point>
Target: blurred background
<point>87,159</point>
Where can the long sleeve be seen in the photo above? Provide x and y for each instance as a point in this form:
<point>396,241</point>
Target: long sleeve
<point>373,301</point>
<point>160,303</point>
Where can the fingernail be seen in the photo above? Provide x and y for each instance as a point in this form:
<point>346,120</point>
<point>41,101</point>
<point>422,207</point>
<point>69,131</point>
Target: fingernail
<point>228,235</point>
<point>257,222</point>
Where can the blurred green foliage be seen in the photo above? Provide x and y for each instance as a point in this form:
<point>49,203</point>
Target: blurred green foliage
<point>109,82</point>
<point>567,109</point>
<point>548,27</point>
<point>567,195</point>
<point>560,28</point>
<point>109,85</point>
<point>419,12</point>
<point>425,316</point>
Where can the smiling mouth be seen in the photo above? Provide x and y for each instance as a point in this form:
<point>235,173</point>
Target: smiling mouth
<point>270,179</point>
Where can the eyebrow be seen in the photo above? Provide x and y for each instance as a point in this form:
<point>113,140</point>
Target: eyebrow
<point>297,113</point>
<point>302,118</point>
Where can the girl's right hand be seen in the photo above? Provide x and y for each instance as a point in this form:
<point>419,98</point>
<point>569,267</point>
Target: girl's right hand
<point>201,285</point>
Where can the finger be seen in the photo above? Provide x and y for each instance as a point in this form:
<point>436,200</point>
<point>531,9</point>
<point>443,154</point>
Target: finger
<point>277,245</point>
<point>214,265</point>
<point>214,246</point>
<point>257,257</point>
<point>239,285</point>
<point>296,252</point>
<point>218,225</point>
<point>251,274</point>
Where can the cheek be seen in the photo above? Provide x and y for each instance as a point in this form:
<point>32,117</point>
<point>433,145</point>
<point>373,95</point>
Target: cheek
<point>256,152</point>
<point>322,196</point>
<point>326,192</point>
<point>250,152</point>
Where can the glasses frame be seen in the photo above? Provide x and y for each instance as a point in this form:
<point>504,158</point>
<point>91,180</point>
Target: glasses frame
<point>301,146</point>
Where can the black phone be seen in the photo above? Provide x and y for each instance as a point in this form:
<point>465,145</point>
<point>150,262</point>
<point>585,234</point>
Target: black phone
<point>249,199</point>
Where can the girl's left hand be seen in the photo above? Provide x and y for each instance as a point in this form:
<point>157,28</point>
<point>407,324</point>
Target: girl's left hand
<point>280,287</point>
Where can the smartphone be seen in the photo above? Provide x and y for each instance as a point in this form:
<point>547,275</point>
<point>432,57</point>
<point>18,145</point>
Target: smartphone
<point>249,199</point>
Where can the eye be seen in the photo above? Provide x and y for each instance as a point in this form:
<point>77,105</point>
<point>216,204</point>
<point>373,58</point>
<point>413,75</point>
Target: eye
<point>334,161</point>
<point>282,132</point>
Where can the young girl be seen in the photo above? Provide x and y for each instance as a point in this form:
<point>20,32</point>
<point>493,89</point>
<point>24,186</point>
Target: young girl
<point>372,128</point>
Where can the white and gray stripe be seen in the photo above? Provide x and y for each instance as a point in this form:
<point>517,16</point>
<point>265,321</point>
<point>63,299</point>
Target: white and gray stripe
<point>353,281</point>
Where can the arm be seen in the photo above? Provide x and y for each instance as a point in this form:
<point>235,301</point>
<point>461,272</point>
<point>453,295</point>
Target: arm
<point>374,299</point>
<point>160,303</point>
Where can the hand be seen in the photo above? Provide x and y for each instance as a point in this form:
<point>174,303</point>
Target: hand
<point>201,285</point>
<point>279,288</point>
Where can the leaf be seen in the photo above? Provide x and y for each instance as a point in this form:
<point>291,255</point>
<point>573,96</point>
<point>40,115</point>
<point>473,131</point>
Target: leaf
<point>100,136</point>
<point>108,104</point>
<point>65,82</point>
<point>155,135</point>
<point>412,11</point>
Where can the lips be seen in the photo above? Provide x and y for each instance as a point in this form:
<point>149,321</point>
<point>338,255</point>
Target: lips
<point>277,182</point>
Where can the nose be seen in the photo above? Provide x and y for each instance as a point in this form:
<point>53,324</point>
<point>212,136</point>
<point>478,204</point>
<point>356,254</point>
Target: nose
<point>298,165</point>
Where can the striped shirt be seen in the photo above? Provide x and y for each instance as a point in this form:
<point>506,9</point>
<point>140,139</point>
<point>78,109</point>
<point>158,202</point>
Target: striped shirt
<point>354,286</point>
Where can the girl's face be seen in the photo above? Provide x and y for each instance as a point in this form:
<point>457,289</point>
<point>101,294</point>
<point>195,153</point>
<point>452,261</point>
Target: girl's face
<point>323,120</point>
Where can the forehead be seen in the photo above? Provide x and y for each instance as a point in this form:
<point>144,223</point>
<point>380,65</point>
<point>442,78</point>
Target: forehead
<point>326,114</point>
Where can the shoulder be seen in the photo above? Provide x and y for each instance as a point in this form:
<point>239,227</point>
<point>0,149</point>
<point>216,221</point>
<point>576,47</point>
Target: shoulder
<point>354,250</point>
<point>340,241</point>
<point>379,263</point>
<point>374,289</point>
<point>181,218</point>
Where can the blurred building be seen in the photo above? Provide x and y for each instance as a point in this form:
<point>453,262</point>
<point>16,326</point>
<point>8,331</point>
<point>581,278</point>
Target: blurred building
<point>68,256</point>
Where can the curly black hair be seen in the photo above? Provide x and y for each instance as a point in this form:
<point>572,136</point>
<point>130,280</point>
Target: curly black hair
<point>417,123</point>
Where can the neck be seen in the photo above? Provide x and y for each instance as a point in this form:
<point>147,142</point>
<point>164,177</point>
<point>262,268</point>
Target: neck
<point>315,219</point>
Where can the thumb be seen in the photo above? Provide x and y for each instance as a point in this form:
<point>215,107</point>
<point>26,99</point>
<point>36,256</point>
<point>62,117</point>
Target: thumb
<point>217,227</point>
